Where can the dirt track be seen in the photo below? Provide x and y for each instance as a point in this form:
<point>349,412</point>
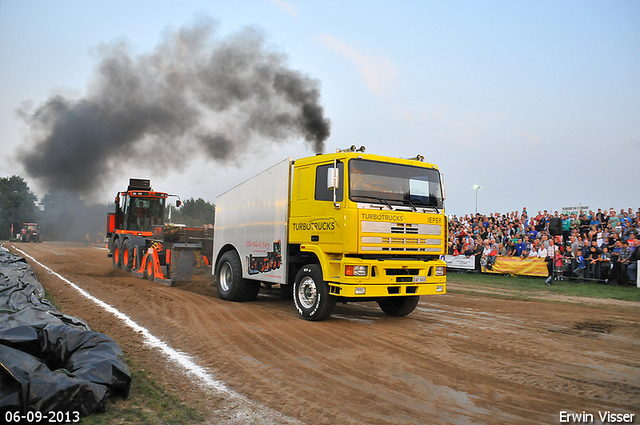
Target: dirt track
<point>458,359</point>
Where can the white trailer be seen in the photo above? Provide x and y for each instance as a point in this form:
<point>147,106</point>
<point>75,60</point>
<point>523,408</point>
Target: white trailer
<point>251,227</point>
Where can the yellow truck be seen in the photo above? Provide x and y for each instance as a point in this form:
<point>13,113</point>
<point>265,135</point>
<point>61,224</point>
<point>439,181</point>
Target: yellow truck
<point>340,227</point>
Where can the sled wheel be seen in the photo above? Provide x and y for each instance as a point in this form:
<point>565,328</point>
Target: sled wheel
<point>149,269</point>
<point>231,285</point>
<point>399,306</point>
<point>311,294</point>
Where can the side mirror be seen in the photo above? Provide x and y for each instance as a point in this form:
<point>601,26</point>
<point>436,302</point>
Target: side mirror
<point>333,182</point>
<point>333,178</point>
<point>178,203</point>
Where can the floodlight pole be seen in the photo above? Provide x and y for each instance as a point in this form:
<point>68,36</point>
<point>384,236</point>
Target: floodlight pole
<point>476,187</point>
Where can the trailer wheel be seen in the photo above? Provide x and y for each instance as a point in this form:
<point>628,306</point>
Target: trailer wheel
<point>231,285</point>
<point>399,306</point>
<point>127,255</point>
<point>117,248</point>
<point>311,294</point>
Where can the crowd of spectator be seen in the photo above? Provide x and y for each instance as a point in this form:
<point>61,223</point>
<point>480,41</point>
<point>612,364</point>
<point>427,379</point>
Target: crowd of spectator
<point>600,245</point>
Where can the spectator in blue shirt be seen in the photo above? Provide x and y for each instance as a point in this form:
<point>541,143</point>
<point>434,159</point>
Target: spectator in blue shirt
<point>581,266</point>
<point>519,246</point>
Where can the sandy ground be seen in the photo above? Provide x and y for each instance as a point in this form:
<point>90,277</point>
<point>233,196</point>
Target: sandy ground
<point>458,359</point>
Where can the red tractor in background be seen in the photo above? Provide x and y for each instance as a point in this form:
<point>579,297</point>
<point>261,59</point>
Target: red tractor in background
<point>140,241</point>
<point>30,232</point>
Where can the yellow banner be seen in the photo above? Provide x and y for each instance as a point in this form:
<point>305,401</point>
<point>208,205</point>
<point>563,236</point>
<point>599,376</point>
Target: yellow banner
<point>517,265</point>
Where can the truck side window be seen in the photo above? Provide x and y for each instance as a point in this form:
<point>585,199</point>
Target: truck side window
<point>322,193</point>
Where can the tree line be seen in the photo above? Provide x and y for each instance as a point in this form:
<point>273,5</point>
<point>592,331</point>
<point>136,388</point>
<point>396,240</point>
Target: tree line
<point>66,217</point>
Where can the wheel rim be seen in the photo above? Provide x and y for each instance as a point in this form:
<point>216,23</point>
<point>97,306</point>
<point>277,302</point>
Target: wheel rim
<point>116,255</point>
<point>225,276</point>
<point>307,292</point>
<point>125,257</point>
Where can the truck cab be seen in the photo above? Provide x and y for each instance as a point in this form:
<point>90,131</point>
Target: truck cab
<point>374,225</point>
<point>137,210</point>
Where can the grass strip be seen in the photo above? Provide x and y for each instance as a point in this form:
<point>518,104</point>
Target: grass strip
<point>524,286</point>
<point>148,403</point>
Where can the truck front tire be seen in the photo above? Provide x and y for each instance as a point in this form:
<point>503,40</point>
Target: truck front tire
<point>311,294</point>
<point>231,285</point>
<point>399,306</point>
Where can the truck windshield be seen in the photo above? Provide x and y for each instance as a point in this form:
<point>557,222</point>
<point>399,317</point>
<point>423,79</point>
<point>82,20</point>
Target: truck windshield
<point>394,184</point>
<point>145,213</point>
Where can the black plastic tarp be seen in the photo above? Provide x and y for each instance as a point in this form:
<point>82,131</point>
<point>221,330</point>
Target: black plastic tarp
<point>50,361</point>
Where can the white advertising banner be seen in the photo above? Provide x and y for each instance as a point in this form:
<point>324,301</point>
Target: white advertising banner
<point>460,262</point>
<point>575,210</point>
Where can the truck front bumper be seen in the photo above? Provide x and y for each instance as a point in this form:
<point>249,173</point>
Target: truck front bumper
<point>386,278</point>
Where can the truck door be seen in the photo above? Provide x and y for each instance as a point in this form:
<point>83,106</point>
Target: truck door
<point>326,219</point>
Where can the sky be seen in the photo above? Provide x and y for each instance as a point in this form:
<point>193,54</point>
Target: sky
<point>536,102</point>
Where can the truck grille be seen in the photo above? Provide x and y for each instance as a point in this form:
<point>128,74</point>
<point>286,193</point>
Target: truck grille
<point>418,239</point>
<point>405,228</point>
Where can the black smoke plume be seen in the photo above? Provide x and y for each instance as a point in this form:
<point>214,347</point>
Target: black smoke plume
<point>195,93</point>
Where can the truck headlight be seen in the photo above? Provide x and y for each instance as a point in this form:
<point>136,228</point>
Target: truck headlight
<point>441,271</point>
<point>355,270</point>
<point>360,291</point>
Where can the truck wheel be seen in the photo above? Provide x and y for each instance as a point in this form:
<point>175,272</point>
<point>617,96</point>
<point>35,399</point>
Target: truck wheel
<point>231,285</point>
<point>399,306</point>
<point>117,259</point>
<point>127,255</point>
<point>311,294</point>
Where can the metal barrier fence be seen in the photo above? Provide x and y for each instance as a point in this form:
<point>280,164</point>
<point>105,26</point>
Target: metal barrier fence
<point>599,271</point>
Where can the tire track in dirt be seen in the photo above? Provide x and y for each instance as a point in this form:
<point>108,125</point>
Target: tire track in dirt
<point>313,353</point>
<point>517,351</point>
